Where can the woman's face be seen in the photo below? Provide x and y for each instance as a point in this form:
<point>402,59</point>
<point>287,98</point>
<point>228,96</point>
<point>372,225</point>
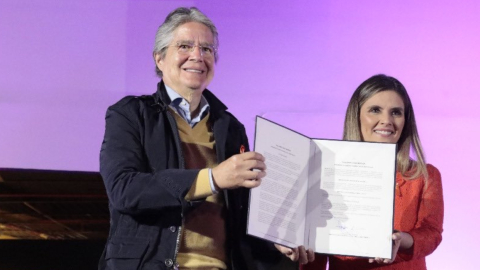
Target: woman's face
<point>382,117</point>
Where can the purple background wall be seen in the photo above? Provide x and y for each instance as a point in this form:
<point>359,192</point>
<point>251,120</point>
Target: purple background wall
<point>296,62</point>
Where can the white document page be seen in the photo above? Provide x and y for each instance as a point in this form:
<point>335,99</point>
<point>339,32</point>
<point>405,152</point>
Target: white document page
<point>277,206</point>
<point>353,214</point>
<point>336,197</point>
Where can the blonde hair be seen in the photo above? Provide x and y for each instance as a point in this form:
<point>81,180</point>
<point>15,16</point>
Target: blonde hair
<point>409,139</point>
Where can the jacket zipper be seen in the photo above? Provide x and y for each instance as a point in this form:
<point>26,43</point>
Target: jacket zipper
<point>177,245</point>
<point>182,166</point>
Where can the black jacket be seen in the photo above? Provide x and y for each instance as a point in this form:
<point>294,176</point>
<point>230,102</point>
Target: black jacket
<point>143,168</point>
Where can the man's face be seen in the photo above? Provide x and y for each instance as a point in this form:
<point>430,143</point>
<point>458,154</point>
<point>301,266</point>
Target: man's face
<point>186,71</point>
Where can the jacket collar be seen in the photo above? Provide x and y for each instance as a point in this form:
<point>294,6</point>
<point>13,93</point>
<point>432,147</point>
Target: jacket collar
<point>216,106</point>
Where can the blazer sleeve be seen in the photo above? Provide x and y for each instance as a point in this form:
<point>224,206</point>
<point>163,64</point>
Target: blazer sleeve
<point>131,185</point>
<point>427,233</point>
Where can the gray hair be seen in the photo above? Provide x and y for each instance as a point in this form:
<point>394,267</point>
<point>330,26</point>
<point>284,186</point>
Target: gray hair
<point>176,18</point>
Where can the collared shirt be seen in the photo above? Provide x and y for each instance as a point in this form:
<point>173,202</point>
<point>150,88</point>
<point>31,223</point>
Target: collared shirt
<point>182,107</point>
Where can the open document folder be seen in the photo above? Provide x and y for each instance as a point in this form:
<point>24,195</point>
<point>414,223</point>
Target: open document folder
<point>335,197</point>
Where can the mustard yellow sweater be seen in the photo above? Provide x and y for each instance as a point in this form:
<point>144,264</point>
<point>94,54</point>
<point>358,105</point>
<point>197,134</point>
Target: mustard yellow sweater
<point>203,237</point>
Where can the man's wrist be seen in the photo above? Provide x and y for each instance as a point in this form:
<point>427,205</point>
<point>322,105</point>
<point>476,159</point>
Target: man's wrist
<point>213,186</point>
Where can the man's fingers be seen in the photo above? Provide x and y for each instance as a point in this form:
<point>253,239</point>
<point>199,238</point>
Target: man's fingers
<point>291,253</point>
<point>246,161</point>
<point>302,255</point>
<point>299,254</point>
<point>251,183</point>
<point>294,255</point>
<point>305,255</point>
<point>252,155</point>
<point>284,250</point>
<point>252,164</point>
<point>310,255</point>
<point>254,175</point>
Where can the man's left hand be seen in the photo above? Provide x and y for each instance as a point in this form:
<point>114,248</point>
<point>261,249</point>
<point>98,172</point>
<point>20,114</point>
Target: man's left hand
<point>299,254</point>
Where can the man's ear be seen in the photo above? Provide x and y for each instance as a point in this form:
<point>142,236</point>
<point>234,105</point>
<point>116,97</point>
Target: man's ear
<point>158,60</point>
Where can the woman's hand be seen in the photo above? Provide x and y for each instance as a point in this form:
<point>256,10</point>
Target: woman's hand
<point>299,254</point>
<point>401,240</point>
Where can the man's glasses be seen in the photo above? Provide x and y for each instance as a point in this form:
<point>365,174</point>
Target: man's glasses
<point>187,48</point>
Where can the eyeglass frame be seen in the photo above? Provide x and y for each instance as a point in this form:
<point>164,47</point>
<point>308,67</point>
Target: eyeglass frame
<point>192,46</point>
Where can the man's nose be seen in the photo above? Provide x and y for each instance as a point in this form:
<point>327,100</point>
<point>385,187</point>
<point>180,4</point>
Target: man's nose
<point>196,52</point>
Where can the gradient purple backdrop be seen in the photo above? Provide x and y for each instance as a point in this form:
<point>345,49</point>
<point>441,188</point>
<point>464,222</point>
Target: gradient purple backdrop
<point>295,62</point>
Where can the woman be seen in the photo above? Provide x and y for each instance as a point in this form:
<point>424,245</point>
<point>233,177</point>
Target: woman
<point>380,110</point>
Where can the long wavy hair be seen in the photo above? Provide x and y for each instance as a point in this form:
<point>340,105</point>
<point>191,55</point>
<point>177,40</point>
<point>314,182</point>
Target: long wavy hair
<point>409,139</point>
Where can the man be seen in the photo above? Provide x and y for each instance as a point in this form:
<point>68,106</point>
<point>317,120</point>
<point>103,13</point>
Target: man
<point>176,165</point>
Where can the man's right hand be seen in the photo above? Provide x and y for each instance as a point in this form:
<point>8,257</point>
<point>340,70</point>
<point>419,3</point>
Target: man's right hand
<point>242,170</point>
